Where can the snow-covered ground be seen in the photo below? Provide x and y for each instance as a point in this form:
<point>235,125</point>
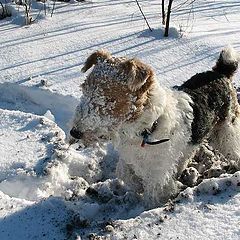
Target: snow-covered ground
<point>49,190</point>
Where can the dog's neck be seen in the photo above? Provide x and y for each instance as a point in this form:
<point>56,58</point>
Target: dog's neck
<point>163,105</point>
<point>153,105</point>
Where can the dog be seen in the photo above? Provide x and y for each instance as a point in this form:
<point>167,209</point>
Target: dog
<point>155,129</point>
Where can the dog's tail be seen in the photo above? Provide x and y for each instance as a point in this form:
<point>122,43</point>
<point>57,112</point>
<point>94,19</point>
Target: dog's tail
<point>94,58</point>
<point>227,63</point>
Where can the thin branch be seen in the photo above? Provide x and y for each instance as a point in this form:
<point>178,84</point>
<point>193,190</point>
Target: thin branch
<point>143,15</point>
<point>3,10</point>
<point>182,4</point>
<point>163,13</point>
<point>54,4</point>
<point>168,18</point>
<point>44,7</point>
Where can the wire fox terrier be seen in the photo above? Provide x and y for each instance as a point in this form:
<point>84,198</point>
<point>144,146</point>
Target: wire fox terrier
<point>123,102</point>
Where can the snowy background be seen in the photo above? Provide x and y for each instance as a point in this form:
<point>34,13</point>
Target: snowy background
<point>49,190</point>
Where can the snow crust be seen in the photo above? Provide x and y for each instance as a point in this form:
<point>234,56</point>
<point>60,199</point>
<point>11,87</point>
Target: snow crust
<point>50,190</point>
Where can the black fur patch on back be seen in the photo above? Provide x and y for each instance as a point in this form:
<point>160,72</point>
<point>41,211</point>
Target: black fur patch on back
<point>200,80</point>
<point>210,93</point>
<point>227,69</point>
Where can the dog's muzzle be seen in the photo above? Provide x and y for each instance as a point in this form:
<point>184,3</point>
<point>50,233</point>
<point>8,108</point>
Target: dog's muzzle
<point>76,134</point>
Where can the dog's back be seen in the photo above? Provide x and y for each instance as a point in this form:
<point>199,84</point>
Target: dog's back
<point>211,93</point>
<point>226,66</point>
<point>211,103</point>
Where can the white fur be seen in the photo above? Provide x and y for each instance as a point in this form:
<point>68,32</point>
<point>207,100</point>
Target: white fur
<point>156,165</point>
<point>229,55</point>
<point>226,135</point>
<point>226,138</point>
<point>153,170</point>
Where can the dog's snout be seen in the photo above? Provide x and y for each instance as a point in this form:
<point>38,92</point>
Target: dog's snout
<point>75,133</point>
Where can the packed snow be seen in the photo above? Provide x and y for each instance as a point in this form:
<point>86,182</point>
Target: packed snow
<point>51,190</point>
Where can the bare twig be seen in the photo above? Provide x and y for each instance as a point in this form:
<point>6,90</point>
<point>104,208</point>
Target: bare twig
<point>53,8</point>
<point>163,13</point>
<point>168,18</point>
<point>225,15</point>
<point>182,4</point>
<point>44,7</point>
<point>3,9</point>
<point>143,15</point>
<point>5,13</point>
<point>27,6</point>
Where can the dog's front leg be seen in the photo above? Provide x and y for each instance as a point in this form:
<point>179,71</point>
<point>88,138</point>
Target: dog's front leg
<point>126,172</point>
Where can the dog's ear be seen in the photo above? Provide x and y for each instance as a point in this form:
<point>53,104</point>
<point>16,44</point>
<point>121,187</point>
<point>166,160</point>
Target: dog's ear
<point>94,57</point>
<point>138,73</point>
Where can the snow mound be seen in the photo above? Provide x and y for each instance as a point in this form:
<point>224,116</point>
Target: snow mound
<point>158,33</point>
<point>38,168</point>
<point>36,162</point>
<point>72,193</point>
<point>214,186</point>
<point>38,100</point>
<point>210,209</point>
<point>29,140</point>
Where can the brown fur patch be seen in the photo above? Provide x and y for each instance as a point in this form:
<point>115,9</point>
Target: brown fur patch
<point>94,57</point>
<point>138,73</point>
<point>117,87</point>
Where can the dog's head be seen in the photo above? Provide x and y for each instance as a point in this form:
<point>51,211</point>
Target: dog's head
<point>114,92</point>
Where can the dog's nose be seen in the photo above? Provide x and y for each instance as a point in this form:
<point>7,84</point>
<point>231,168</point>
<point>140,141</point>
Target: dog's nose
<point>75,133</point>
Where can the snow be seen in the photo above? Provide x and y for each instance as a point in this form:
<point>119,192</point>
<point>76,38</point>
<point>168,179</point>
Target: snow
<point>50,190</point>
<point>195,215</point>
